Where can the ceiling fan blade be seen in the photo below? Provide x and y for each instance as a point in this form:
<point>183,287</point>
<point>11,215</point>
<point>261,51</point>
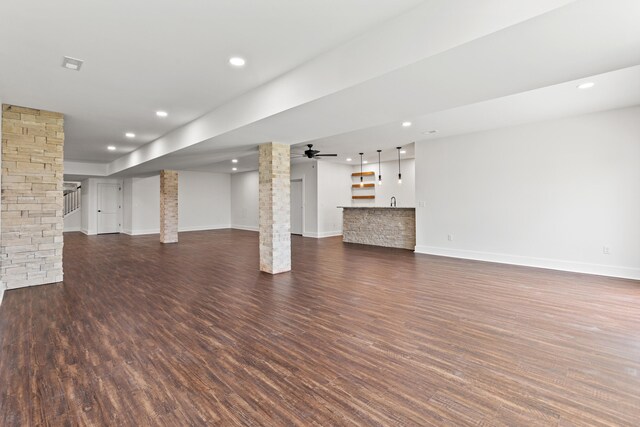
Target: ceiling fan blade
<point>326,155</point>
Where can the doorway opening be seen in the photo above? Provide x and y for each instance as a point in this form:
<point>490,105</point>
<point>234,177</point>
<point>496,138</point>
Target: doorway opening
<point>297,206</point>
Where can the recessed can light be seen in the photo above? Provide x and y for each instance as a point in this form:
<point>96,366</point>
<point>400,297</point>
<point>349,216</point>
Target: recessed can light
<point>406,124</point>
<point>161,113</point>
<point>72,63</point>
<point>349,159</point>
<point>234,169</point>
<point>236,61</point>
<point>587,85</point>
<point>234,161</point>
<point>430,131</point>
<point>130,135</point>
<point>111,147</point>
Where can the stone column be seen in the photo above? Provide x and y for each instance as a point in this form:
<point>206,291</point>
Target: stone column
<point>31,210</point>
<point>274,208</point>
<point>168,206</point>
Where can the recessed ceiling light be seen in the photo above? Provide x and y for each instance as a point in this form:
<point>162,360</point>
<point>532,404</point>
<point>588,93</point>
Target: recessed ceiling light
<point>234,169</point>
<point>430,131</point>
<point>161,113</point>
<point>406,124</point>
<point>403,151</point>
<point>234,161</point>
<point>365,162</point>
<point>236,61</point>
<point>130,135</point>
<point>349,159</point>
<point>587,85</point>
<point>111,148</point>
<point>72,63</point>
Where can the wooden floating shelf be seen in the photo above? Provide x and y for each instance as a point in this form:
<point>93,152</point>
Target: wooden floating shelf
<point>363,173</point>
<point>368,185</point>
<point>363,197</point>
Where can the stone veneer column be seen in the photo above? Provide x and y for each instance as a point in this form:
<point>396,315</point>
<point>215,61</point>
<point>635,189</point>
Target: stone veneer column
<point>31,212</point>
<point>168,206</point>
<point>274,207</point>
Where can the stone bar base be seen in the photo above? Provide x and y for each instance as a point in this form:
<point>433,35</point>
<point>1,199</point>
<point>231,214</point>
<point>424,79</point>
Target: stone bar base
<point>390,227</point>
<point>274,207</point>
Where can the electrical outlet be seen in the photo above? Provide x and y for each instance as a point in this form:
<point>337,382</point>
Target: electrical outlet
<point>450,237</point>
<point>606,250</point>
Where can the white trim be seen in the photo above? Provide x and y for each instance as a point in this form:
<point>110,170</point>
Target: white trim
<point>245,227</point>
<point>86,231</point>
<point>323,234</point>
<point>203,227</point>
<point>68,229</point>
<point>180,229</point>
<point>142,232</point>
<point>2,289</point>
<point>553,264</point>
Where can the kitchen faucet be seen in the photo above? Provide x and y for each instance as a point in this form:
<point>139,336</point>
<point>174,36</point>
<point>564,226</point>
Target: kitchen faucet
<point>393,201</point>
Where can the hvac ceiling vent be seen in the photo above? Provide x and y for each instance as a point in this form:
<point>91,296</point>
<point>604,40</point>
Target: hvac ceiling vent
<point>72,63</point>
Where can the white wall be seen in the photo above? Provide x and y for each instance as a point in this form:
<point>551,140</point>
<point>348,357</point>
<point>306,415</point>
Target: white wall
<point>404,193</point>
<point>2,285</point>
<point>244,200</point>
<point>549,194</point>
<point>89,203</point>
<point>73,221</point>
<point>244,197</point>
<point>334,189</point>
<point>143,197</point>
<point>203,203</point>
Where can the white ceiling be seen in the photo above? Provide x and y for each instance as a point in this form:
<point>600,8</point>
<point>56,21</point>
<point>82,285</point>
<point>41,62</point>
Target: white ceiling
<point>144,56</point>
<point>343,83</point>
<point>616,89</point>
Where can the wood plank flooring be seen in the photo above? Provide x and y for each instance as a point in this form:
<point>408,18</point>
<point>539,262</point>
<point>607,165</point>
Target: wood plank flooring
<point>143,334</point>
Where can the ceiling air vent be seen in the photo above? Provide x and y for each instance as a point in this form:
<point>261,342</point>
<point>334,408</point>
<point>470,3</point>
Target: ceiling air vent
<point>72,63</point>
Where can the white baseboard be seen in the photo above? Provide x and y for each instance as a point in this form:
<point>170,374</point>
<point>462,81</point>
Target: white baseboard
<point>1,292</point>
<point>245,227</point>
<point>85,231</point>
<point>204,227</point>
<point>323,234</point>
<point>553,264</point>
<point>70,229</point>
<point>144,232</point>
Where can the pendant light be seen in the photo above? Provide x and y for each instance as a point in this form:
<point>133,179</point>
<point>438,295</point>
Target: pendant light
<point>399,173</point>
<point>361,178</point>
<point>379,169</point>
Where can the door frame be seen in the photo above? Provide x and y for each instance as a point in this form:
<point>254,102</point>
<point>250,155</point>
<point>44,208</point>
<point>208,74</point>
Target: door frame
<point>301,180</point>
<point>120,209</point>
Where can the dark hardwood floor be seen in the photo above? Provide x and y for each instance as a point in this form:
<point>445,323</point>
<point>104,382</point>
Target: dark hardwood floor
<point>192,334</point>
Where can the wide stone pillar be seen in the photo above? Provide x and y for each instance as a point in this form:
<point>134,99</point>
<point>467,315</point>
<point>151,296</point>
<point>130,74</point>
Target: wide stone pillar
<point>274,207</point>
<point>32,201</point>
<point>168,206</point>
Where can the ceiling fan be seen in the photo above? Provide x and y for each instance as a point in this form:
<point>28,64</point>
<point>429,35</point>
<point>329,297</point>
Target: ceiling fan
<point>315,154</point>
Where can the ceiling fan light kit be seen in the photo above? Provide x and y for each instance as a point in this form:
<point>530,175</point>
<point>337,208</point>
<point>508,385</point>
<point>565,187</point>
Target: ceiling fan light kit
<point>310,153</point>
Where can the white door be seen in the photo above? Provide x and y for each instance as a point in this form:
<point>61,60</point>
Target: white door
<point>108,208</point>
<point>297,208</point>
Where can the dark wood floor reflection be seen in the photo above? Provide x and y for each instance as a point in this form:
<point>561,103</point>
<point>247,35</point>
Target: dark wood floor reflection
<point>192,334</point>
